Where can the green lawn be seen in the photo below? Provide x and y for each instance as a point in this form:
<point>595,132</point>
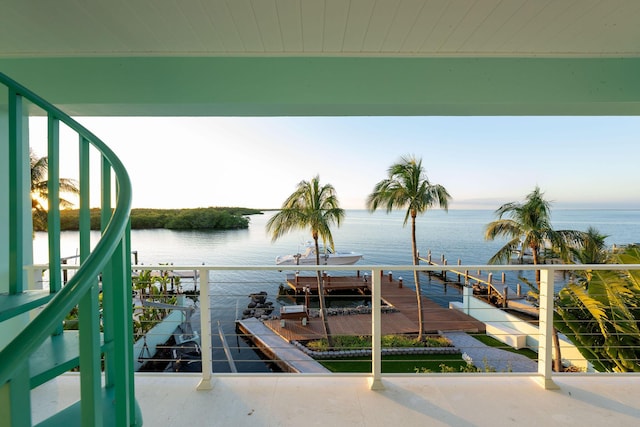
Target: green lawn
<point>406,363</point>
<point>397,363</point>
<point>492,342</point>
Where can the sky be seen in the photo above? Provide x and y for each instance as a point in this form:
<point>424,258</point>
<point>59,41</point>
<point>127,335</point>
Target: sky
<point>578,162</point>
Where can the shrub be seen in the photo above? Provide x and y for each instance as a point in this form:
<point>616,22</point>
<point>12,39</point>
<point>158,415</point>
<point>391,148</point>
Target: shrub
<point>364,342</point>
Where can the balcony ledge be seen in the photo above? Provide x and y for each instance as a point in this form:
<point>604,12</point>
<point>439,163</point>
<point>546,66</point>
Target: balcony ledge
<point>436,400</point>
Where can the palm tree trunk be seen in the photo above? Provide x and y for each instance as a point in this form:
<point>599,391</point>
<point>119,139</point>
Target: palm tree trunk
<point>416,278</point>
<point>557,360</point>
<point>534,254</point>
<point>323,310</point>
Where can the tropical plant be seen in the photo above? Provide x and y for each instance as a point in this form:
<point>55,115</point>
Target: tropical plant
<point>407,187</point>
<point>40,190</point>
<point>528,226</point>
<point>598,312</point>
<point>363,342</point>
<point>143,282</point>
<point>593,248</point>
<point>316,207</point>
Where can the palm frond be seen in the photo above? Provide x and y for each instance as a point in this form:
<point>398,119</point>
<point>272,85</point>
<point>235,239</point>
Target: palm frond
<point>504,254</point>
<point>311,206</point>
<point>595,307</point>
<point>408,187</point>
<point>503,228</point>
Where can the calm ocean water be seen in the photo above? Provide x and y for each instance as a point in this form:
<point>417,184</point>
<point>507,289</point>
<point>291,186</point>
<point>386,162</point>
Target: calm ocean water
<point>380,237</point>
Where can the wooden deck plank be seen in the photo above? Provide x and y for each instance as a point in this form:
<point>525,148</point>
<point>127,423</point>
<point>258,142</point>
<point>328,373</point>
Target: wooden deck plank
<point>299,282</point>
<point>405,321</point>
<point>436,318</point>
<point>273,345</point>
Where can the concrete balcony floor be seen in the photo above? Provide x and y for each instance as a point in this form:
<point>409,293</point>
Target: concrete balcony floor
<point>299,400</point>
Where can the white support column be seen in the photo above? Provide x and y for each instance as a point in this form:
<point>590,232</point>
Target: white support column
<point>376,331</point>
<point>467,295</point>
<point>545,327</point>
<point>205,331</point>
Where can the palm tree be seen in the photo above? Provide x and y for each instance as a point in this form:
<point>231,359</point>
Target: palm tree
<point>599,313</point>
<point>593,249</point>
<point>407,187</point>
<point>316,207</point>
<point>528,226</point>
<point>40,190</point>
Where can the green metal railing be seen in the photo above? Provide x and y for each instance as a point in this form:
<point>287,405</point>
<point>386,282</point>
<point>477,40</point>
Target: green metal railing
<point>109,259</point>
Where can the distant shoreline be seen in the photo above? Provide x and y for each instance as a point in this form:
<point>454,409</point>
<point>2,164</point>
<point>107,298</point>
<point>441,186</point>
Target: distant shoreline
<point>211,218</point>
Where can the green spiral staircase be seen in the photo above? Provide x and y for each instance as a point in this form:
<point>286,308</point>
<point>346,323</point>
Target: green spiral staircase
<point>34,348</point>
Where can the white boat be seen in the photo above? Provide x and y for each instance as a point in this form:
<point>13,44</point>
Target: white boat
<point>327,257</point>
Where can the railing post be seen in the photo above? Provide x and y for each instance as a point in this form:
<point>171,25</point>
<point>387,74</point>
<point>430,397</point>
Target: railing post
<point>19,413</point>
<point>89,308</point>
<point>205,331</point>
<point>122,353</point>
<point>376,333</point>
<point>545,356</point>
<point>108,309</point>
<point>85,199</point>
<point>53,200</point>
<point>90,360</point>
<point>128,297</point>
<point>19,227</point>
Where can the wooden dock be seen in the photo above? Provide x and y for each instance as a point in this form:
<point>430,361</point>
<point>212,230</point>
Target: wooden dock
<point>340,283</point>
<point>285,355</point>
<point>485,284</point>
<point>403,321</point>
<point>478,279</point>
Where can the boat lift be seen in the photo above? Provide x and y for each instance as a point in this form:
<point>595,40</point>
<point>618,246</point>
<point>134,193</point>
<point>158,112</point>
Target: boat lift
<point>186,332</point>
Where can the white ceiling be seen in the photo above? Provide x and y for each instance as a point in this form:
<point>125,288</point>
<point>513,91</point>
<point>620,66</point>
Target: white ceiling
<point>386,28</point>
<point>326,57</point>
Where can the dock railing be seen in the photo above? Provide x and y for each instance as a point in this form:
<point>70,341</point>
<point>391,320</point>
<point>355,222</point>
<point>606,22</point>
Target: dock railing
<point>217,290</point>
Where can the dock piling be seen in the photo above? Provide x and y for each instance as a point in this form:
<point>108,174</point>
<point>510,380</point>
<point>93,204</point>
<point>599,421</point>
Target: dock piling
<point>471,279</point>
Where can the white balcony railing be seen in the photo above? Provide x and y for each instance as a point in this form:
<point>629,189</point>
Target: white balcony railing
<point>222,292</point>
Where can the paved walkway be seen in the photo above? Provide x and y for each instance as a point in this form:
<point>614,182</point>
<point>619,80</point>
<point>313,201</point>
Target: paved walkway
<point>495,358</point>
